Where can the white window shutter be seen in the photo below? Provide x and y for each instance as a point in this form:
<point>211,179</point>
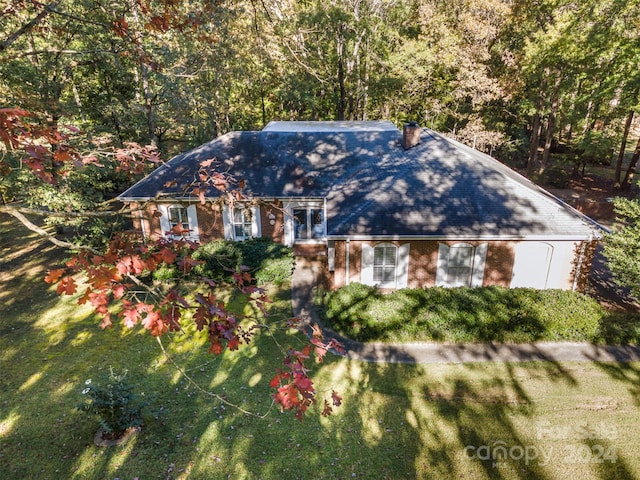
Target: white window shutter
<point>256,227</point>
<point>165,225</point>
<point>443,261</point>
<point>331,255</point>
<point>227,222</point>
<point>143,223</point>
<point>478,265</point>
<point>402,266</point>
<point>192,216</point>
<point>288,226</point>
<point>366,269</point>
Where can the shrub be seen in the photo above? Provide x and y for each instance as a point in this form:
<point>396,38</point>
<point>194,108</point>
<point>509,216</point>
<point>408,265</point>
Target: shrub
<point>221,258</point>
<point>114,402</point>
<point>165,272</point>
<point>275,271</point>
<point>465,315</point>
<point>267,261</point>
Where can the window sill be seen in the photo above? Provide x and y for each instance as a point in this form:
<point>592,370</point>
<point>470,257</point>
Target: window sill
<point>318,241</point>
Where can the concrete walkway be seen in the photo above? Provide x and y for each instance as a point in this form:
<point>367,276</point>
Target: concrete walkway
<point>304,281</point>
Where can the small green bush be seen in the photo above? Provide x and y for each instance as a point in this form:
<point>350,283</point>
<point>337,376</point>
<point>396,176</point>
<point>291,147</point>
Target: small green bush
<point>275,271</point>
<point>114,402</point>
<point>267,261</point>
<point>221,258</point>
<point>165,272</point>
<point>489,314</point>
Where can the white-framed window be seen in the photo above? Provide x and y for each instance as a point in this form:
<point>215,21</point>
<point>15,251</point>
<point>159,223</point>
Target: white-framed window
<point>304,222</point>
<point>385,265</point>
<point>178,217</point>
<point>185,216</point>
<point>461,265</point>
<point>241,222</point>
<point>308,223</point>
<point>242,225</point>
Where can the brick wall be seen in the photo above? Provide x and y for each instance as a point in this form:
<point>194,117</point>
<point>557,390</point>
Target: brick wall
<point>423,254</point>
<point>210,224</point>
<point>272,212</point>
<point>423,261</point>
<point>499,264</point>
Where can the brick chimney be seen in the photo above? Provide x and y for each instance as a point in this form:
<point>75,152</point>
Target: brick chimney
<point>410,135</point>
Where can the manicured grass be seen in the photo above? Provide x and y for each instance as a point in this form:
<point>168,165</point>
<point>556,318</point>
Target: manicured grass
<point>396,421</point>
<point>490,314</point>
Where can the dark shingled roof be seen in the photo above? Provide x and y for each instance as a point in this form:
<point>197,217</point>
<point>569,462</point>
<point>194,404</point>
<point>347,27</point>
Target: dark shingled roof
<point>373,187</point>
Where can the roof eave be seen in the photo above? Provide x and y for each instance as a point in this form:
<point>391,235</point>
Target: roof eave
<point>595,235</point>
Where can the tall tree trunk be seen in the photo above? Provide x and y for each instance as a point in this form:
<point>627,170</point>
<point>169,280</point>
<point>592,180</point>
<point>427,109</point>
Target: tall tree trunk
<point>340,111</point>
<point>587,117</point>
<point>632,167</point>
<point>532,162</point>
<point>544,161</point>
<point>263,108</point>
<point>342,93</point>
<point>623,147</point>
<point>551,125</point>
<point>147,95</point>
<point>573,104</point>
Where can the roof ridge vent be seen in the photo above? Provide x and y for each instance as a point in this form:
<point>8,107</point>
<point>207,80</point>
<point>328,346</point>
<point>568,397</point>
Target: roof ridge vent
<point>410,135</point>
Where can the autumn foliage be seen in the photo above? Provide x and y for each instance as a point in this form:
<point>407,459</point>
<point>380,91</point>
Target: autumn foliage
<point>118,288</point>
<point>118,282</point>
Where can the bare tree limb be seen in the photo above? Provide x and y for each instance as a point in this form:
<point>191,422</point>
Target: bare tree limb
<point>48,9</point>
<point>42,232</point>
<point>57,52</point>
<point>51,213</point>
<point>52,9</point>
<point>26,28</point>
<point>196,385</point>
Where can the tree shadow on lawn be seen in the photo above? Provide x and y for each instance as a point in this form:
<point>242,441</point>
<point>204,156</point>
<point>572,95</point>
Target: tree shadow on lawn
<point>471,315</point>
<point>397,421</point>
<point>627,373</point>
<point>600,447</point>
<point>24,260</point>
<point>48,352</point>
<point>438,314</point>
<point>45,362</point>
<point>483,418</point>
<point>407,421</point>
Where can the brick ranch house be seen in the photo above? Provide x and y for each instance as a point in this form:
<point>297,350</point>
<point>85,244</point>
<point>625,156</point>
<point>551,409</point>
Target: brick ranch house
<point>377,205</point>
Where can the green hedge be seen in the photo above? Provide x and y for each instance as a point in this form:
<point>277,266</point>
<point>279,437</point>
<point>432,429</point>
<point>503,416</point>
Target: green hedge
<point>267,261</point>
<point>490,314</point>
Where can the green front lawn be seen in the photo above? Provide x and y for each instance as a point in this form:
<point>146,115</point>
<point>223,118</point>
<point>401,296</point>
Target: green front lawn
<point>489,314</point>
<point>396,421</point>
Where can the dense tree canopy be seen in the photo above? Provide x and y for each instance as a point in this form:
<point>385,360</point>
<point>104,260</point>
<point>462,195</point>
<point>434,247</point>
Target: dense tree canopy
<point>622,248</point>
<point>94,93</point>
<point>498,74</point>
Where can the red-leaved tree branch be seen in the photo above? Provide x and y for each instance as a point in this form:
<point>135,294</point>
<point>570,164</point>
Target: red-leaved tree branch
<point>117,281</point>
